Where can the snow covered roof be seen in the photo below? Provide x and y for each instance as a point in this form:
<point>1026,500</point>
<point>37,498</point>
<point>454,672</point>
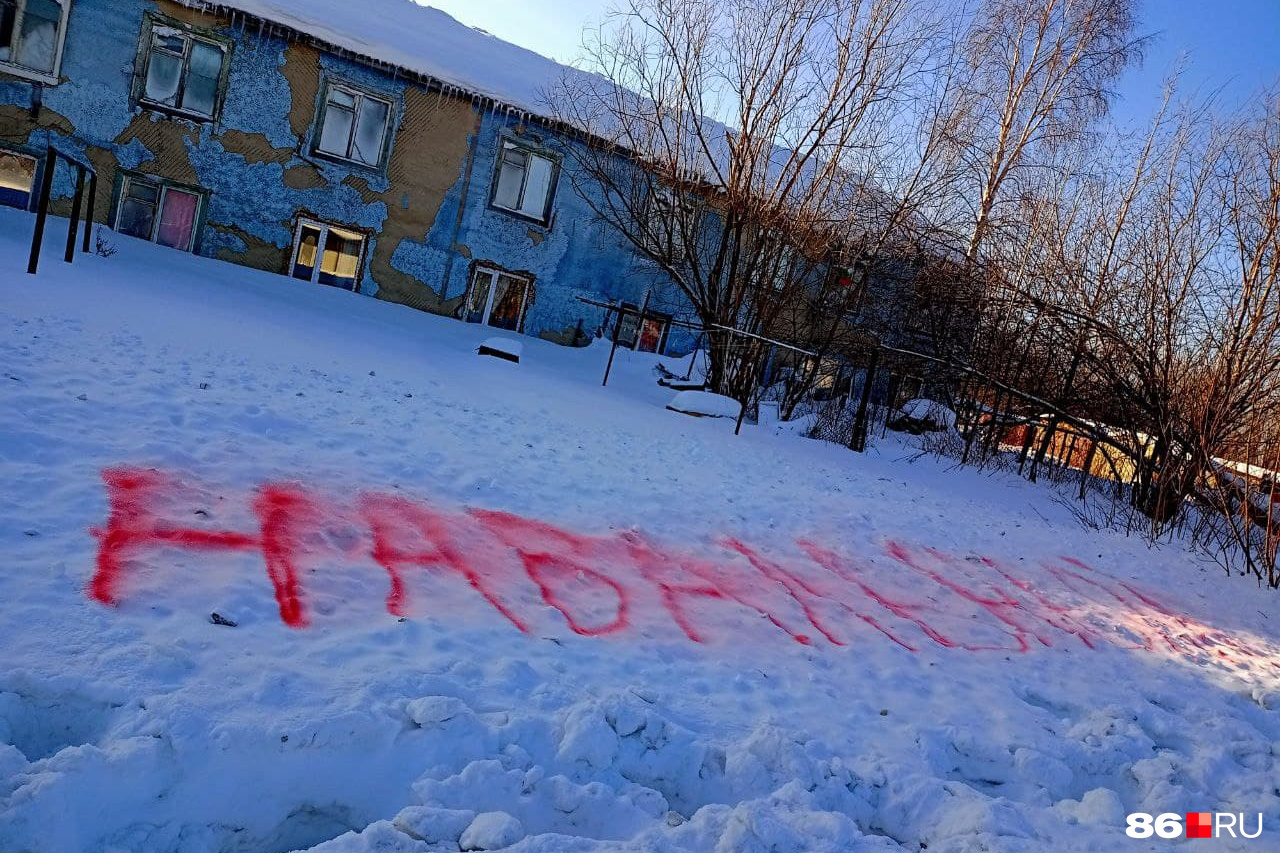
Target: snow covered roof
<point>421,40</point>
<point>1256,472</point>
<point>426,41</point>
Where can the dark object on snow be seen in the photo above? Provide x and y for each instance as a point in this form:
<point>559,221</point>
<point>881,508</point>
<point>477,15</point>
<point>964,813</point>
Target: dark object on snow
<point>678,385</point>
<point>914,426</point>
<point>667,379</point>
<point>503,348</point>
<point>219,619</point>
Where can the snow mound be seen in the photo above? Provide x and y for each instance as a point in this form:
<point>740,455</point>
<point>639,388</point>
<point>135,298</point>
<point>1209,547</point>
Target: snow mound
<point>491,831</point>
<point>931,411</point>
<point>705,404</point>
<point>816,652</point>
<point>920,416</point>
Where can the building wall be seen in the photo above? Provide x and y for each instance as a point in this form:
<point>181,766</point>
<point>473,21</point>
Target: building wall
<point>572,255</point>
<point>426,213</point>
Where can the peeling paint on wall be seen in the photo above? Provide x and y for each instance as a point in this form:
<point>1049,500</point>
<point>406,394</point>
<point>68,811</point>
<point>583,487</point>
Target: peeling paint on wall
<point>426,210</point>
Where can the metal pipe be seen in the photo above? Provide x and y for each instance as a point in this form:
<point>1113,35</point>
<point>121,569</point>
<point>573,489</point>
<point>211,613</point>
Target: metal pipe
<point>42,210</point>
<point>89,208</point>
<point>73,226</point>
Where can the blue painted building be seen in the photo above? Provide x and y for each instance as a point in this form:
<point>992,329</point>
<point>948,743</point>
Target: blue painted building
<point>400,169</point>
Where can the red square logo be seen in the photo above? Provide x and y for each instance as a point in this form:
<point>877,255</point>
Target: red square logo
<point>1199,824</point>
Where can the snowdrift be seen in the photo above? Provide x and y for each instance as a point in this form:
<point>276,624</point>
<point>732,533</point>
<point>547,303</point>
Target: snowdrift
<point>479,606</point>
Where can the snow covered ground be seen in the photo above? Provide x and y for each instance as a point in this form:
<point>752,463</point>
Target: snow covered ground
<point>480,603</point>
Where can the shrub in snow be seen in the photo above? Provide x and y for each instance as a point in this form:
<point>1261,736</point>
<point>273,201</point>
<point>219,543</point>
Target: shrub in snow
<point>491,831</point>
<point>920,416</point>
<point>704,404</point>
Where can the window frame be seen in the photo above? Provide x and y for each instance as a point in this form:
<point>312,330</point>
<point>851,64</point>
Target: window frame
<point>361,94</point>
<point>324,226</point>
<point>660,347</point>
<point>12,67</point>
<point>486,312</point>
<point>37,167</point>
<point>631,311</point>
<point>142,68</point>
<point>163,187</point>
<point>506,143</point>
<point>664,201</point>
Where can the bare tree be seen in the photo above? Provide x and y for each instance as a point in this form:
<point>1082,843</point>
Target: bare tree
<point>1237,380</point>
<point>1039,71</point>
<point>736,139</point>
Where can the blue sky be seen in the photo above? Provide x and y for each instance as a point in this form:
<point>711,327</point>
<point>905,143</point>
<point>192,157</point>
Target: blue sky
<point>1231,45</point>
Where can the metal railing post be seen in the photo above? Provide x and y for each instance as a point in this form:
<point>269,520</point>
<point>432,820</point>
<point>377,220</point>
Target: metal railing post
<point>42,210</point>
<point>73,226</point>
<point>89,208</point>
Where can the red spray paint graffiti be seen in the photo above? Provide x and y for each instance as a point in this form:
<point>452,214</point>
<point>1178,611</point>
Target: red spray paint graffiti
<point>627,583</point>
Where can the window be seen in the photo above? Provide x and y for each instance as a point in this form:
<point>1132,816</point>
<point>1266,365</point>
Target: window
<point>151,209</point>
<point>497,299</point>
<point>17,179</point>
<point>183,72</point>
<point>525,182</point>
<point>353,126</point>
<point>328,254</point>
<point>649,336</point>
<point>668,222</point>
<point>31,36</point>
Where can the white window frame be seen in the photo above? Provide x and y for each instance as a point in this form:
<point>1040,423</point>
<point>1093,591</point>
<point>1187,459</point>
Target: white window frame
<point>164,188</point>
<point>324,228</point>
<point>9,66</point>
<point>493,273</point>
<point>545,216</point>
<point>360,96</point>
<point>158,28</point>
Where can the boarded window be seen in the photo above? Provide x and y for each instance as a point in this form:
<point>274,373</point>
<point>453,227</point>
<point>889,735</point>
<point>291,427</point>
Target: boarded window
<point>354,126</point>
<point>31,34</point>
<point>525,182</point>
<point>183,72</point>
<point>17,179</point>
